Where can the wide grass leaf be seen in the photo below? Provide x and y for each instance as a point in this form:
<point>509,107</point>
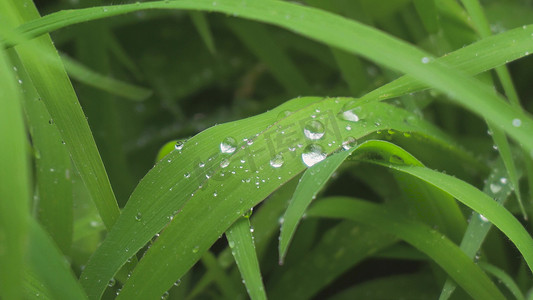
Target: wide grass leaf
<point>14,182</point>
<point>44,67</point>
<point>205,184</point>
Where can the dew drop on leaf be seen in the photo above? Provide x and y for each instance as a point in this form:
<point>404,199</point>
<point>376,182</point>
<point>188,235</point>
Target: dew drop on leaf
<point>495,188</point>
<point>277,161</point>
<point>313,154</point>
<point>517,122</point>
<point>224,163</point>
<point>349,115</point>
<point>228,145</point>
<point>314,130</point>
<point>349,142</point>
<point>138,216</point>
<point>111,282</point>
<point>165,296</point>
<point>195,249</point>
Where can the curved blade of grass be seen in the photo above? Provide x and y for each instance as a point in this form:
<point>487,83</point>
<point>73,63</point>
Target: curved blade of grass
<point>504,278</point>
<point>44,67</point>
<point>45,259</point>
<point>195,187</point>
<point>310,184</point>
<point>34,288</point>
<point>202,26</point>
<point>344,34</point>
<point>242,246</point>
<point>478,227</point>
<point>432,243</point>
<point>460,190</point>
<point>474,9</point>
<point>113,86</point>
<point>340,249</point>
<point>52,165</point>
<point>14,181</point>
<point>261,42</point>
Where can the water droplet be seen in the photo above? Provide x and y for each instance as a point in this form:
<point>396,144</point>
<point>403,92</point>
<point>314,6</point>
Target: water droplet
<point>313,154</point>
<point>201,164</point>
<point>348,127</point>
<point>277,161</point>
<point>314,130</point>
<point>215,194</point>
<point>231,244</point>
<point>179,145</point>
<point>483,218</point>
<point>395,159</point>
<point>349,142</point>
<point>228,145</point>
<point>282,115</point>
<point>50,121</point>
<point>177,283</point>
<point>165,296</point>
<point>224,163</point>
<point>187,175</point>
<point>248,214</point>
<point>196,249</point>
<point>495,188</point>
<point>349,115</point>
<point>138,216</point>
<point>517,122</point>
<point>425,60</point>
<point>503,180</point>
<point>111,282</point>
<point>406,134</point>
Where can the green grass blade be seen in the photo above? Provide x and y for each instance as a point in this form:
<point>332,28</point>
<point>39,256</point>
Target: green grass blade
<point>113,86</point>
<point>14,181</point>
<point>435,245</point>
<point>242,246</point>
<point>44,258</point>
<point>340,249</point>
<point>221,278</point>
<point>504,278</point>
<point>202,26</point>
<point>478,227</point>
<point>475,10</point>
<point>427,10</point>
<point>344,34</point>
<point>185,183</point>
<point>462,191</point>
<point>46,71</point>
<point>52,166</point>
<point>310,184</point>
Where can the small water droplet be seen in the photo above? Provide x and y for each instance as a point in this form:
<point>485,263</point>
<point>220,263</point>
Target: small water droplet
<point>177,283</point>
<point>348,127</point>
<point>277,161</point>
<point>138,216</point>
<point>224,163</point>
<point>495,188</point>
<point>517,122</point>
<point>425,60</point>
<point>231,244</point>
<point>228,145</point>
<point>483,218</point>
<point>179,145</point>
<point>248,214</point>
<point>314,130</point>
<point>215,194</point>
<point>349,142</point>
<point>313,154</point>
<point>503,180</point>
<point>195,249</point>
<point>111,282</point>
<point>201,164</point>
<point>165,296</point>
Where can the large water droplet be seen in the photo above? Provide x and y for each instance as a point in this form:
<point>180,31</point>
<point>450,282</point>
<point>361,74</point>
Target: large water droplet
<point>277,161</point>
<point>228,145</point>
<point>111,282</point>
<point>314,130</point>
<point>313,154</point>
<point>349,115</point>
